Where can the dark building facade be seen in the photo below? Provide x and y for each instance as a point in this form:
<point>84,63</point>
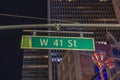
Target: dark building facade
<point>35,63</point>
<point>83,12</point>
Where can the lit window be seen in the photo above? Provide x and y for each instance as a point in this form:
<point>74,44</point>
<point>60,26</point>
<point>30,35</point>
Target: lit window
<point>102,0</point>
<point>45,56</point>
<point>101,42</point>
<point>35,66</point>
<point>103,19</point>
<point>56,59</point>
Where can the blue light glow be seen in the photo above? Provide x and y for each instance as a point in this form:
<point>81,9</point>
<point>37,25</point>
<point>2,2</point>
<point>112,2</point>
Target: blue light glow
<point>98,76</point>
<point>56,59</point>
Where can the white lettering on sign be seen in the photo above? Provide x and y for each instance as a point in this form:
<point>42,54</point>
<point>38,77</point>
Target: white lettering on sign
<point>58,42</point>
<point>44,42</point>
<point>72,43</point>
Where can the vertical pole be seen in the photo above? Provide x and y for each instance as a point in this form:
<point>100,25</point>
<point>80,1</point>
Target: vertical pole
<point>49,51</point>
<point>50,65</point>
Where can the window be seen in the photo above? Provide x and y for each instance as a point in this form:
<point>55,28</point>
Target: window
<point>116,52</point>
<point>56,59</point>
<point>102,0</point>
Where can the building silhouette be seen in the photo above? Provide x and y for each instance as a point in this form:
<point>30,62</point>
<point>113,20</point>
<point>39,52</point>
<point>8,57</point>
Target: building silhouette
<point>42,64</point>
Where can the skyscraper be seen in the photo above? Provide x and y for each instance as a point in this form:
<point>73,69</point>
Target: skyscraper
<point>35,63</point>
<point>84,12</point>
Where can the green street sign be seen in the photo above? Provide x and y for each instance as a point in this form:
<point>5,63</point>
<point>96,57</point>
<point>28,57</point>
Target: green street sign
<point>63,43</point>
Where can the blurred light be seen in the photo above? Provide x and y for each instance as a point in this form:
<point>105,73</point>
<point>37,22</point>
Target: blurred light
<point>102,0</point>
<point>46,56</point>
<point>101,42</point>
<point>56,59</point>
<point>35,66</point>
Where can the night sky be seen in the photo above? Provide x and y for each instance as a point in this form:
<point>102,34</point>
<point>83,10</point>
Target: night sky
<point>10,52</point>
